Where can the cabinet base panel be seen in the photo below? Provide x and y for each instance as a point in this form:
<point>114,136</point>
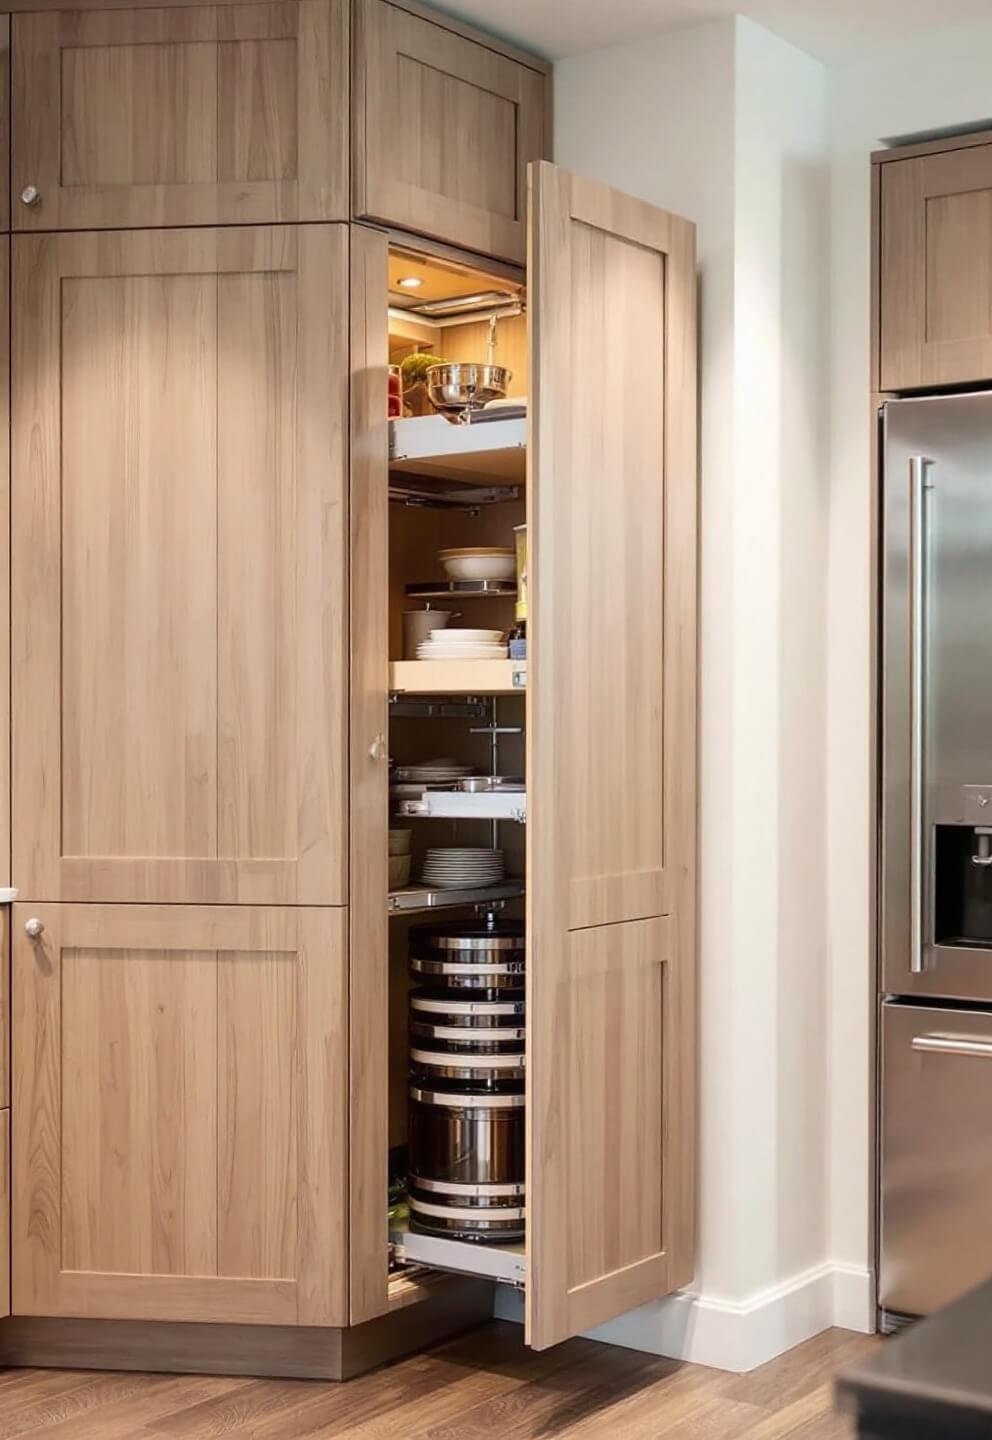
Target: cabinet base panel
<point>443,1308</point>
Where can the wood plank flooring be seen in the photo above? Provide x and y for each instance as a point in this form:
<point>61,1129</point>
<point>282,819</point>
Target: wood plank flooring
<point>481,1385</point>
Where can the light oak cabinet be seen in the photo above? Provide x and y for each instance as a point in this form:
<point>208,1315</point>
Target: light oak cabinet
<point>179,580</point>
<point>4,1213</point>
<point>935,265</point>
<point>444,127</point>
<point>192,115</point>
<point>206,980</point>
<point>180,1091</point>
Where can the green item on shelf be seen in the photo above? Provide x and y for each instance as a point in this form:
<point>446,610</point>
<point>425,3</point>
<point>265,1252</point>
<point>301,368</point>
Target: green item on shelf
<point>415,367</point>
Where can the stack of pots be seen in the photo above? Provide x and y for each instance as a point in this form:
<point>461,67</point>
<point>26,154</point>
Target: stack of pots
<point>467,1041</point>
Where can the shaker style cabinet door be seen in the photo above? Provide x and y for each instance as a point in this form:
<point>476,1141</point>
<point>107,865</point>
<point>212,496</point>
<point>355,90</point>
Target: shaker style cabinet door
<point>4,1213</point>
<point>196,115</point>
<point>179,586</point>
<point>180,1113</point>
<point>443,130</point>
<point>611,760</point>
<point>4,120</point>
<point>935,276</point>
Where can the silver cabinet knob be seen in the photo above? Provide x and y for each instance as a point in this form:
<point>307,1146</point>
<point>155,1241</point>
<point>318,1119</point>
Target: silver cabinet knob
<point>34,928</point>
<point>377,750</point>
<point>30,195</point>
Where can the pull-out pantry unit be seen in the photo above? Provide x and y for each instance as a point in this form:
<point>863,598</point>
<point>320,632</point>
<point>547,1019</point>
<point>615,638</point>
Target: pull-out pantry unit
<point>226,1019</point>
<point>600,847</point>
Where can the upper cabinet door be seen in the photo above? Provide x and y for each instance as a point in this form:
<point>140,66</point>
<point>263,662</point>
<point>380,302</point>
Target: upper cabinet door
<point>611,755</point>
<point>180,1104</point>
<point>179,580</point>
<point>444,128</point>
<point>4,120</point>
<point>189,116</point>
<point>935,269</point>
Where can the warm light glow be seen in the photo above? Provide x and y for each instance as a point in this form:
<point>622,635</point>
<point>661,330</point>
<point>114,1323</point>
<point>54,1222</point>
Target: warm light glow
<point>410,282</point>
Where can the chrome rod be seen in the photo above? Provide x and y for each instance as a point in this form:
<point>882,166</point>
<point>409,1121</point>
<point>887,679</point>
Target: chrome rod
<point>917,706</point>
<point>953,1045</point>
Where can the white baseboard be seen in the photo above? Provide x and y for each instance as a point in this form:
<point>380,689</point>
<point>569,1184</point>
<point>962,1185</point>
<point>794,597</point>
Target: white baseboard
<point>737,1335</point>
<point>854,1299</point>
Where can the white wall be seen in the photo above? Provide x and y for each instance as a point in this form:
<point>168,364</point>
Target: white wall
<point>725,123</point>
<point>942,81</point>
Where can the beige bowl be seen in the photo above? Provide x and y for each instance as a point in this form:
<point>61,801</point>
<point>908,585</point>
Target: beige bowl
<point>400,842</point>
<point>487,563</point>
<point>399,871</point>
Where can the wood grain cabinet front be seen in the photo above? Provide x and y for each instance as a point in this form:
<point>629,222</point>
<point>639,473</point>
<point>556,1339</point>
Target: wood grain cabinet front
<point>179,1140</point>
<point>192,115</point>
<point>180,565</point>
<point>4,1213</point>
<point>935,271</point>
<point>443,129</point>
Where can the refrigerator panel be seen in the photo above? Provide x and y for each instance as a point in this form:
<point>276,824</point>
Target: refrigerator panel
<point>936,764</point>
<point>936,1154</point>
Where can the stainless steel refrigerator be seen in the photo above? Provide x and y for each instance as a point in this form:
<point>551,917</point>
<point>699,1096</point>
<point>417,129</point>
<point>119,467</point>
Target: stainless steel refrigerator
<point>935,900</point>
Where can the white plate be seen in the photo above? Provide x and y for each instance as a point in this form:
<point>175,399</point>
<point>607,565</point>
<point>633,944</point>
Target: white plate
<point>462,852</point>
<point>426,648</point>
<point>463,869</point>
<point>462,652</point>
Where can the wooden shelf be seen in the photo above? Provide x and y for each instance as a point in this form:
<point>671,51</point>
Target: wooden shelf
<point>457,677</point>
<point>462,805</point>
<point>506,1263</point>
<point>490,452</point>
<point>463,589</point>
<point>412,898</point>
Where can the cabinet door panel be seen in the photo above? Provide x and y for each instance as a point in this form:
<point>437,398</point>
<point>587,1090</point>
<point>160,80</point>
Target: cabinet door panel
<point>4,1213</point>
<point>611,756</point>
<point>179,1088</point>
<point>179,584</point>
<point>192,115</point>
<point>935,273</point>
<point>444,128</point>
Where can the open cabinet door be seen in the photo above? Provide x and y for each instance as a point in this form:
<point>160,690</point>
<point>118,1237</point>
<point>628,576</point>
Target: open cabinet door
<point>611,755</point>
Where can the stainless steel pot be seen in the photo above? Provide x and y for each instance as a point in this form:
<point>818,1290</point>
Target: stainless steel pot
<point>466,1164</point>
<point>464,975</point>
<point>466,1027</point>
<point>491,1070</point>
<point>468,1014</point>
<point>469,957</point>
<point>462,1040</point>
<point>482,939</point>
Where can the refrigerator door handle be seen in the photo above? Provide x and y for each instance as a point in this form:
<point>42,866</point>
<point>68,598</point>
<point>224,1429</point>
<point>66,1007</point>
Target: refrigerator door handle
<point>918,486</point>
<point>953,1045</point>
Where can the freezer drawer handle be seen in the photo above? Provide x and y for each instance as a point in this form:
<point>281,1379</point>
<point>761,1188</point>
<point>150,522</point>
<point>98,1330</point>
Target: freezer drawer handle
<point>918,486</point>
<point>954,1045</point>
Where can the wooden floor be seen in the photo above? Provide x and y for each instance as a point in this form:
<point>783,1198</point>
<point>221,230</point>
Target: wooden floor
<point>483,1385</point>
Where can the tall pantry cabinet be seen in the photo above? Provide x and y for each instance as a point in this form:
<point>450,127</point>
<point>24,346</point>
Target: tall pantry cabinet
<point>205,201</point>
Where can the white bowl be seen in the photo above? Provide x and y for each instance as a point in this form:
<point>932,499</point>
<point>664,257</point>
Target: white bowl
<point>459,636</point>
<point>479,566</point>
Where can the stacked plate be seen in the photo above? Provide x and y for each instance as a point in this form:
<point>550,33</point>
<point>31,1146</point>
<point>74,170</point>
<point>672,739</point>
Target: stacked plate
<point>431,772</point>
<point>463,645</point>
<point>463,868</point>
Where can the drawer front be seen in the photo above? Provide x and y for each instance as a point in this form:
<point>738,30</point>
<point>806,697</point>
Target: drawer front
<point>936,1156</point>
<point>444,129</point>
<point>196,115</point>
